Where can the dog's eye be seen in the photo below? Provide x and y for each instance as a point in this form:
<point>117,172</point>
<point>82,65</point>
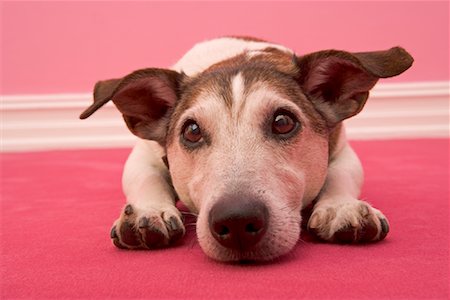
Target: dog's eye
<point>191,132</point>
<point>284,123</point>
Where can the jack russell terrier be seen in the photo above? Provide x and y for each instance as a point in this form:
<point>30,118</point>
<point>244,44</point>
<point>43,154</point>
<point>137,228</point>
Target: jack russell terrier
<point>247,135</point>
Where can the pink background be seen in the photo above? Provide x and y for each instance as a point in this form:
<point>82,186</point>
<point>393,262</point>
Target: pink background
<point>53,47</point>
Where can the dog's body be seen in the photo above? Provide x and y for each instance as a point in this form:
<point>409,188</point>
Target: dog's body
<point>252,135</point>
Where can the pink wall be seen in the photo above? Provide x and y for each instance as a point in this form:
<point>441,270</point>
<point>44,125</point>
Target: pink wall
<point>52,47</point>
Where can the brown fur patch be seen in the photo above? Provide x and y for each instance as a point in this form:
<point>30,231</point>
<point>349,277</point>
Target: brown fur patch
<point>247,38</point>
<point>275,58</point>
<point>224,66</point>
<point>283,61</point>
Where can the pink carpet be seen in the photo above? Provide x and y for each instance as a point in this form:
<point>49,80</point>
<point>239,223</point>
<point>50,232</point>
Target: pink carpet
<point>57,209</point>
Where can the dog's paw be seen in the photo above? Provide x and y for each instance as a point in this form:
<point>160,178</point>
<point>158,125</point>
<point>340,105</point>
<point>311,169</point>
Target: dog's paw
<point>352,221</point>
<point>147,229</point>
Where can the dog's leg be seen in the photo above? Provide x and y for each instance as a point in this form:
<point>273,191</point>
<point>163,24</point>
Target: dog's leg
<point>338,215</point>
<point>150,218</point>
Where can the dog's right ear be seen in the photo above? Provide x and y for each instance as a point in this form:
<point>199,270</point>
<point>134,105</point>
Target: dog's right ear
<point>145,98</point>
<point>338,82</point>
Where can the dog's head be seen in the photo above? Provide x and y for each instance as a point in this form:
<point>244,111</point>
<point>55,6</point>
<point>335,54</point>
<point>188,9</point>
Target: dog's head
<point>247,140</point>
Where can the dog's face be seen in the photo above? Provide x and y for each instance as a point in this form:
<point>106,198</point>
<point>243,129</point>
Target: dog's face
<point>244,138</point>
<point>247,141</point>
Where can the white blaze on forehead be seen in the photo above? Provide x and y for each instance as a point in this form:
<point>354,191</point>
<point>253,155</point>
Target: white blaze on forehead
<point>237,89</point>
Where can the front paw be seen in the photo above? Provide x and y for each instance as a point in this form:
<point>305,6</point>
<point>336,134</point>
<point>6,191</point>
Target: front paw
<point>147,229</point>
<point>351,221</point>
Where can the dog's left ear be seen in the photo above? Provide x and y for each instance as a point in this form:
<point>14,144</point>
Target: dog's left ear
<point>145,98</point>
<point>338,82</point>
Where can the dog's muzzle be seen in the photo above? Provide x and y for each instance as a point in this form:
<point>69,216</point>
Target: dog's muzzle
<point>238,223</point>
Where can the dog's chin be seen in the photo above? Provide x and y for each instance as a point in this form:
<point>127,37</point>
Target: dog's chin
<point>278,241</point>
<point>256,254</point>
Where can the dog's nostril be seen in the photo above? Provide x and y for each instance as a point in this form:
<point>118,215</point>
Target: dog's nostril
<point>252,228</point>
<point>223,231</point>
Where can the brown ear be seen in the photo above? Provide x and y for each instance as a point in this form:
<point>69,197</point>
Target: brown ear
<point>103,92</point>
<point>338,82</point>
<point>145,99</point>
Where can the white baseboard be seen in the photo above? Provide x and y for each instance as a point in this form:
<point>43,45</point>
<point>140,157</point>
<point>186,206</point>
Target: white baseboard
<point>46,122</point>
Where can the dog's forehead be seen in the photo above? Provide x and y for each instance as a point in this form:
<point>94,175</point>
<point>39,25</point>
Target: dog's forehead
<point>268,64</point>
<point>241,74</point>
<point>262,79</point>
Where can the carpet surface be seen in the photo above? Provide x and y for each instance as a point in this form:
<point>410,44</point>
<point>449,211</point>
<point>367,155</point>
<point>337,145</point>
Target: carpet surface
<point>57,209</point>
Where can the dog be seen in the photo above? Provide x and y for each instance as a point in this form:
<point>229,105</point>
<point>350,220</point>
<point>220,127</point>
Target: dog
<point>246,134</point>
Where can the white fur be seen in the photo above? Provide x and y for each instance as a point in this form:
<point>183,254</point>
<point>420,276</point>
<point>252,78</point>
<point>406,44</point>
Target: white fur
<point>144,166</point>
<point>203,55</point>
<point>237,88</point>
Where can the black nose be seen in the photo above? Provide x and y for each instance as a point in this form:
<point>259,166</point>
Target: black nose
<point>238,224</point>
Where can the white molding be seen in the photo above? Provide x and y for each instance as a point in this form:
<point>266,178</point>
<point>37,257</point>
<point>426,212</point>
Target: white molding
<point>50,121</point>
<point>414,89</point>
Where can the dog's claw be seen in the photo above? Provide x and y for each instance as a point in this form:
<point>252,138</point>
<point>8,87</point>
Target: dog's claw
<point>313,222</point>
<point>384,228</point>
<point>115,238</point>
<point>171,224</point>
<point>113,233</point>
<point>128,210</point>
<point>143,222</point>
<point>176,230</point>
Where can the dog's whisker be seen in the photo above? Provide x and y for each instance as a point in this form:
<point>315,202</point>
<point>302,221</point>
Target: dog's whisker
<point>189,213</point>
<point>288,208</point>
<point>301,240</point>
<point>193,241</point>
